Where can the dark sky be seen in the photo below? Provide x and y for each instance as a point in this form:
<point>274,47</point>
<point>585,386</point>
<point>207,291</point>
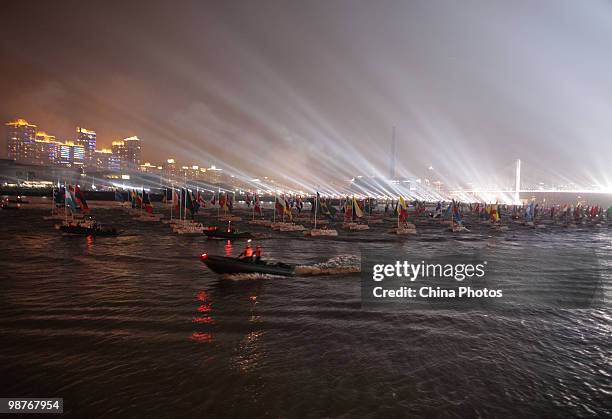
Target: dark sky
<point>311,89</point>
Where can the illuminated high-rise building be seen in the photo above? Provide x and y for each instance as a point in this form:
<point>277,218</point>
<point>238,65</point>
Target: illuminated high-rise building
<point>169,169</point>
<point>70,154</point>
<point>150,168</point>
<point>213,175</point>
<point>106,160</point>
<point>87,139</point>
<point>21,139</point>
<point>128,153</point>
<point>46,149</point>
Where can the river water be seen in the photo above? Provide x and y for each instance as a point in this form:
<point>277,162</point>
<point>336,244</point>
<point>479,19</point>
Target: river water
<point>138,326</point>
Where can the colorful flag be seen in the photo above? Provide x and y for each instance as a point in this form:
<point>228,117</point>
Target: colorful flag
<point>279,204</point>
<point>348,208</point>
<point>80,199</point>
<point>288,209</point>
<point>230,203</point>
<point>59,195</point>
<point>175,200</point>
<point>403,209</point>
<point>69,199</point>
<point>146,201</point>
<point>257,204</point>
<point>357,209</point>
<point>200,200</point>
<point>223,202</point>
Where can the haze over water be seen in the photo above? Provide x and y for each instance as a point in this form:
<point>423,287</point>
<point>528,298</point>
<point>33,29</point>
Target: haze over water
<point>138,326</point>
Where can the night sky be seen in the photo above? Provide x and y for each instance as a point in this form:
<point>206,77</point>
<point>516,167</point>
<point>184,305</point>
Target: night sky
<point>311,89</point>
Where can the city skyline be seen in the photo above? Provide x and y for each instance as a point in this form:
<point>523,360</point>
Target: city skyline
<point>311,91</point>
<point>88,140</point>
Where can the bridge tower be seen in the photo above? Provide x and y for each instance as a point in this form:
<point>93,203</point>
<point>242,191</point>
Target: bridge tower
<point>392,164</point>
<point>517,186</point>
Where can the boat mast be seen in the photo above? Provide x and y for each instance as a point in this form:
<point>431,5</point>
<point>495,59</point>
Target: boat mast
<point>316,209</point>
<point>65,201</point>
<point>398,215</point>
<point>218,201</point>
<point>52,200</point>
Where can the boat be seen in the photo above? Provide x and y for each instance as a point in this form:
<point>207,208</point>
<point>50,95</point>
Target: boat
<point>292,227</point>
<point>321,232</point>
<point>216,233</point>
<point>404,230</point>
<point>146,217</point>
<point>264,223</point>
<point>8,205</point>
<point>458,228</point>
<point>189,229</point>
<point>277,225</point>
<point>88,228</point>
<point>352,226</point>
<point>228,265</point>
<point>18,200</point>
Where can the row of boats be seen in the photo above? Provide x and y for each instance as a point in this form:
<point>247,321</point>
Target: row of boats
<point>455,216</point>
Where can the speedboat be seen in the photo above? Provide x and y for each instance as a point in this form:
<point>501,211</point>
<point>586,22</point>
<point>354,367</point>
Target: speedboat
<point>227,265</point>
<point>87,228</point>
<point>216,233</point>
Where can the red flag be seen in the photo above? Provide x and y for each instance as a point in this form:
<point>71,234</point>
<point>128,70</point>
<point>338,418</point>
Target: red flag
<point>257,205</point>
<point>81,199</point>
<point>175,200</point>
<point>200,200</point>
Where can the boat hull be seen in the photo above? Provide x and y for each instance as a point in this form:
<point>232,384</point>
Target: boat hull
<point>221,234</point>
<point>87,231</point>
<point>226,265</point>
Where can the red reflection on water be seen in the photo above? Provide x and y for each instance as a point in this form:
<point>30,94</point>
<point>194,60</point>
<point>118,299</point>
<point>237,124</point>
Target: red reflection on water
<point>228,249</point>
<point>90,242</point>
<point>204,320</point>
<point>205,308</point>
<point>202,337</point>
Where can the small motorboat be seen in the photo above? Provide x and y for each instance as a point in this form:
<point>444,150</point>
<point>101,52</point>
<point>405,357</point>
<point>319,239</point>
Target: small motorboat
<point>5,205</point>
<point>86,228</point>
<point>216,233</point>
<point>228,265</point>
<point>18,200</point>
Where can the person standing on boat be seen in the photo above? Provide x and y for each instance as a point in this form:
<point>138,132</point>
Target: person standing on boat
<point>258,253</point>
<point>247,253</point>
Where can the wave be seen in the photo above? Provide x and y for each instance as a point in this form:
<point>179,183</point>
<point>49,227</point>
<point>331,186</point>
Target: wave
<point>342,264</point>
<point>251,276</point>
